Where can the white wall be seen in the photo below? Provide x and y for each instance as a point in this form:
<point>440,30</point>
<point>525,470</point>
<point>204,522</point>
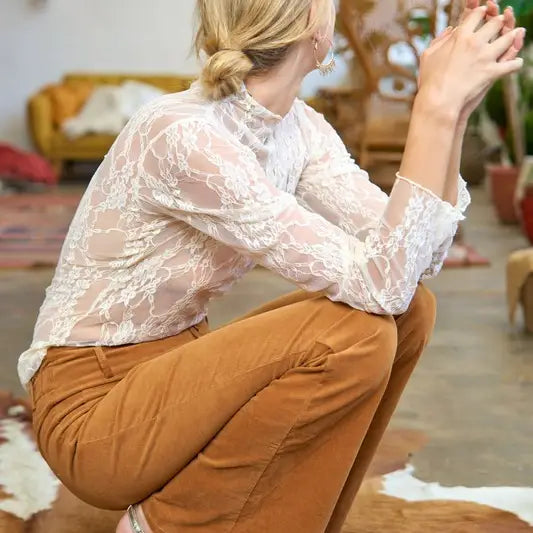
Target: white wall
<point>40,40</point>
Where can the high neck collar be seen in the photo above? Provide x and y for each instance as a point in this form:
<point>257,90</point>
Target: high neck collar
<point>252,107</point>
<point>255,112</point>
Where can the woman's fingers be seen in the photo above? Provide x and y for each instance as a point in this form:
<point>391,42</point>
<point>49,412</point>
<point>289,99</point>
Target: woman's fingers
<point>469,7</point>
<point>493,9</point>
<point>510,20</point>
<point>500,46</point>
<point>508,67</point>
<point>492,29</point>
<point>510,24</point>
<point>515,49</point>
<point>474,19</point>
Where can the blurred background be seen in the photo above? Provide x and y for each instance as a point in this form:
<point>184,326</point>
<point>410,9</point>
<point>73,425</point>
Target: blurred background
<point>74,72</point>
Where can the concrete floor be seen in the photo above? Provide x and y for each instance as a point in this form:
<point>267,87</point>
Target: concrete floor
<point>472,393</point>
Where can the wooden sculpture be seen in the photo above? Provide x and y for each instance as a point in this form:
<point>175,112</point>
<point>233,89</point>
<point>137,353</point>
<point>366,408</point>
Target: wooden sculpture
<point>387,38</point>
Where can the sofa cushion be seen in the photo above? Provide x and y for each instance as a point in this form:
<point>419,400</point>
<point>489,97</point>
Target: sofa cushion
<point>16,164</point>
<point>109,108</point>
<point>67,99</point>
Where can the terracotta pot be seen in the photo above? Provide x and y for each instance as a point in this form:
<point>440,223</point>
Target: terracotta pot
<point>502,182</point>
<point>526,207</point>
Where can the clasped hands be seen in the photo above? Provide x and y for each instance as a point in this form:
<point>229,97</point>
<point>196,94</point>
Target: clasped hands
<point>462,63</point>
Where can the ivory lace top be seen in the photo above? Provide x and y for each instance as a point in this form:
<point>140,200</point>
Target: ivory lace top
<point>194,193</point>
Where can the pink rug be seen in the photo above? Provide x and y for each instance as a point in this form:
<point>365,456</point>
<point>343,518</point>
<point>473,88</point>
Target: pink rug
<point>464,255</point>
<point>33,228</point>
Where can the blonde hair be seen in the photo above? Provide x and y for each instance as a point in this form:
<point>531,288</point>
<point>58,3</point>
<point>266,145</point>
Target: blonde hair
<point>246,37</point>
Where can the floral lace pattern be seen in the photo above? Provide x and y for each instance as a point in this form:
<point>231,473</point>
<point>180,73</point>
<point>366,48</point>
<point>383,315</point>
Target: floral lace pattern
<point>193,194</point>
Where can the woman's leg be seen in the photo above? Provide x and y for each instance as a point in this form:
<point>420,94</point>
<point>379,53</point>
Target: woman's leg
<point>280,462</point>
<point>252,427</point>
<point>414,331</point>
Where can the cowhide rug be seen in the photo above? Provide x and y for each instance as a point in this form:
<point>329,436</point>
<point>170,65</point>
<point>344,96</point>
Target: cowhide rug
<point>391,500</point>
<point>31,498</point>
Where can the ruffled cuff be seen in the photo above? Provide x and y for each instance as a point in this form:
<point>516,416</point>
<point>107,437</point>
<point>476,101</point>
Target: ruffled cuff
<point>449,215</point>
<point>463,197</point>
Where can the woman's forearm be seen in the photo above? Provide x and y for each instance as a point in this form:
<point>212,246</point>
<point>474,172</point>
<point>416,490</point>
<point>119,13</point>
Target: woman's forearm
<point>451,186</point>
<point>431,143</point>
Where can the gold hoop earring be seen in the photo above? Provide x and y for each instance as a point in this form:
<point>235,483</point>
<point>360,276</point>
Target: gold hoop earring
<point>329,67</point>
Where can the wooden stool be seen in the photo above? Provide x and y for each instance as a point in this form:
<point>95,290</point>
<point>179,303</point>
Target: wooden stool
<point>520,285</point>
<point>527,302</point>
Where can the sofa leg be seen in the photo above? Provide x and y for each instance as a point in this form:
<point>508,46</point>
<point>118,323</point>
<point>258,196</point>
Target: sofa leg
<point>59,167</point>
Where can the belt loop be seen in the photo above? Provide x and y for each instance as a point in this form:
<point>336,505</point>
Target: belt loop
<point>200,329</point>
<point>203,327</point>
<point>103,362</point>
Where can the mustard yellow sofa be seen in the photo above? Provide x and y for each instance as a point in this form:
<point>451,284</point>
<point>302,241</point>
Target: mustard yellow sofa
<point>55,103</point>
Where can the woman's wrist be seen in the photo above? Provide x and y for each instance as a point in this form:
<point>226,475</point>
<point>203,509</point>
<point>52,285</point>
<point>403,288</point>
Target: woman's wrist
<point>436,106</point>
<point>462,125</point>
<point>430,140</point>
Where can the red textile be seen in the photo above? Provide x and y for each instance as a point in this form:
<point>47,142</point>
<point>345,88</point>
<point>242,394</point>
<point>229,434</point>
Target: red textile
<point>25,166</point>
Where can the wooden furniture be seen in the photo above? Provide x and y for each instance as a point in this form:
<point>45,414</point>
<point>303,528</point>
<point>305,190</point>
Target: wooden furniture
<point>53,104</point>
<point>387,38</point>
<point>520,285</point>
<point>527,303</point>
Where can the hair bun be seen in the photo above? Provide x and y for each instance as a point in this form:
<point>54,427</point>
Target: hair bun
<point>224,72</point>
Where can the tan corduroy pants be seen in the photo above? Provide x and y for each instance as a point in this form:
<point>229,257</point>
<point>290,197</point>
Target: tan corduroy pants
<point>266,425</point>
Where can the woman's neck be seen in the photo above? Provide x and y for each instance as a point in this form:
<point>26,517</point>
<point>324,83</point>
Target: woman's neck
<point>277,89</point>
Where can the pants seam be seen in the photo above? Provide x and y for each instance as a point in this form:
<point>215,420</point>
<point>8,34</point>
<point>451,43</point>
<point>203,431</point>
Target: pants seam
<point>278,447</point>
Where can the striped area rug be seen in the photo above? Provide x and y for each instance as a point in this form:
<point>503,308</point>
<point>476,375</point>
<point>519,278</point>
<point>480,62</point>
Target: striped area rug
<point>33,228</point>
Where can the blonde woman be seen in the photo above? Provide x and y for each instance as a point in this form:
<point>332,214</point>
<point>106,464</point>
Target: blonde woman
<point>269,423</point>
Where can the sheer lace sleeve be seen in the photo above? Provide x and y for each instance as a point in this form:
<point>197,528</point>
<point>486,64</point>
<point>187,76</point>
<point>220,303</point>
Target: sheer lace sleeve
<point>447,229</point>
<point>195,172</point>
<point>334,186</point>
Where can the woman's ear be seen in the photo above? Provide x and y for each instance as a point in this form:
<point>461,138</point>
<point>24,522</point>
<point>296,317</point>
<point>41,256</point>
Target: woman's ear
<point>314,12</point>
<point>326,26</point>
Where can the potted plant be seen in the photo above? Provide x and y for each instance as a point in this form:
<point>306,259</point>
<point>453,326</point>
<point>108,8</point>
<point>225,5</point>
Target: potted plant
<point>499,106</point>
<point>524,197</point>
<point>525,193</point>
<point>526,208</point>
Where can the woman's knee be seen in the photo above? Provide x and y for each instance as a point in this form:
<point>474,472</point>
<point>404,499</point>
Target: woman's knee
<point>423,309</point>
<point>416,325</point>
<point>362,346</point>
<point>382,346</point>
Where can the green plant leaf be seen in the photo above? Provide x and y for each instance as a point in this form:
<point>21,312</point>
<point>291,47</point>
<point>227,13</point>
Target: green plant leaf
<point>521,7</point>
